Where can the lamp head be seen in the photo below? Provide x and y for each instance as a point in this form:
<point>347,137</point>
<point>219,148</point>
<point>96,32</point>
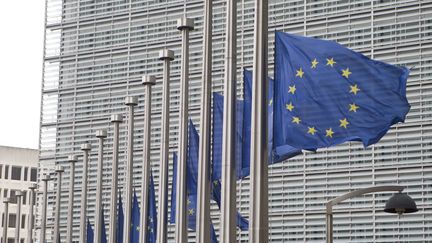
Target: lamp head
<point>400,203</point>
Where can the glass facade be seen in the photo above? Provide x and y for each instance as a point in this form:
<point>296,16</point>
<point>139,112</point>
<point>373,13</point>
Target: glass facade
<point>97,50</point>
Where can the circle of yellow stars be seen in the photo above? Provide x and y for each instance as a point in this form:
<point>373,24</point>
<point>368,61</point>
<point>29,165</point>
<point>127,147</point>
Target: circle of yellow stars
<point>354,90</point>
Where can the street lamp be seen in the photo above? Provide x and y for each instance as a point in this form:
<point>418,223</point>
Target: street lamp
<point>399,203</point>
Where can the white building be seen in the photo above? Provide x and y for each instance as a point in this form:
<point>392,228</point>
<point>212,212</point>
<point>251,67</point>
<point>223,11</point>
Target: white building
<point>18,170</point>
<point>96,52</point>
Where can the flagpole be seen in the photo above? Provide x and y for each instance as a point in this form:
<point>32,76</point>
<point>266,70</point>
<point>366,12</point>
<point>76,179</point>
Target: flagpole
<point>72,159</point>
<point>203,200</point>
<point>167,56</point>
<point>59,170</point>
<point>101,135</point>
<point>115,120</point>
<point>258,228</point>
<point>45,179</point>
<point>148,81</point>
<point>228,211</point>
<point>6,202</point>
<point>18,195</point>
<point>32,188</point>
<point>83,215</point>
<point>131,102</point>
<point>184,25</point>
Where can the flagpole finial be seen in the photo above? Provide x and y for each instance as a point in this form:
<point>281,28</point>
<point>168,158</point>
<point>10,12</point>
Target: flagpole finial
<point>59,169</point>
<point>166,54</point>
<point>86,147</point>
<point>101,133</point>
<point>33,186</point>
<point>148,80</point>
<point>72,158</point>
<point>131,101</point>
<point>185,23</point>
<point>116,118</point>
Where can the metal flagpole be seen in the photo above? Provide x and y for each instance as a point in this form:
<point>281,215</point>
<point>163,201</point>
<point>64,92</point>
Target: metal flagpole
<point>148,81</point>
<point>116,120</point>
<point>59,170</point>
<point>167,56</point>
<point>30,224</point>
<point>258,228</point>
<point>45,179</point>
<point>184,25</point>
<point>101,135</point>
<point>18,195</point>
<point>203,200</point>
<point>131,102</point>
<point>6,202</point>
<point>83,215</point>
<point>72,159</point>
<point>228,211</point>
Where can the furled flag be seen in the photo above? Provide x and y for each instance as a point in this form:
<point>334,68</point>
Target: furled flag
<point>120,220</point>
<point>135,225</point>
<point>280,153</point>
<point>191,182</point>
<point>152,215</point>
<point>326,94</point>
<point>90,233</point>
<point>104,234</point>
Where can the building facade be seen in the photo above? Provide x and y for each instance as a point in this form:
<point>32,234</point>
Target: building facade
<point>96,52</point>
<point>18,170</point>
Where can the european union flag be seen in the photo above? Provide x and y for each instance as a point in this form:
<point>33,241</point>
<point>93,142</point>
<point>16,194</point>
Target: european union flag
<point>90,232</point>
<point>191,182</point>
<point>326,94</point>
<point>104,234</point>
<point>135,224</point>
<point>152,215</point>
<point>120,220</point>
<point>277,155</point>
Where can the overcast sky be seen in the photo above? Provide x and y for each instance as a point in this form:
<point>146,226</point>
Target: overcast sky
<point>21,52</point>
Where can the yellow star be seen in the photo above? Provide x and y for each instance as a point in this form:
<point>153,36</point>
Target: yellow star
<point>314,63</point>
<point>151,219</point>
<point>215,182</point>
<point>296,120</point>
<point>330,62</point>
<point>292,89</point>
<point>300,73</point>
<point>290,106</point>
<point>344,123</point>
<point>354,89</point>
<point>188,201</point>
<point>353,107</point>
<point>190,211</point>
<point>137,228</point>
<point>270,102</point>
<point>329,132</point>
<point>312,130</point>
<point>346,72</point>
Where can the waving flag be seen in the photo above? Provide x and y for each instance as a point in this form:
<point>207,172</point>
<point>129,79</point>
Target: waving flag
<point>135,220</point>
<point>152,215</point>
<point>326,94</point>
<point>90,232</point>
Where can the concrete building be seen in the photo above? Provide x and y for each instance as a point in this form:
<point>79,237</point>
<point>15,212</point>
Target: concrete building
<point>18,170</point>
<point>96,52</point>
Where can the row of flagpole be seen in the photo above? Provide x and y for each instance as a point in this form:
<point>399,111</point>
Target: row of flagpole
<point>259,192</point>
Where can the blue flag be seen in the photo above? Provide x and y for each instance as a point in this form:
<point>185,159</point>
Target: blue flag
<point>326,94</point>
<point>104,234</point>
<point>275,156</point>
<point>191,181</point>
<point>152,215</point>
<point>120,221</point>
<point>135,224</point>
<point>90,233</point>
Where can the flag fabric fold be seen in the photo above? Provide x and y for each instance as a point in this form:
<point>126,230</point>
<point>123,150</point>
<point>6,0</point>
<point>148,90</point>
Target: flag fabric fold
<point>135,224</point>
<point>120,220</point>
<point>90,233</point>
<point>152,214</point>
<point>104,233</point>
<point>326,94</point>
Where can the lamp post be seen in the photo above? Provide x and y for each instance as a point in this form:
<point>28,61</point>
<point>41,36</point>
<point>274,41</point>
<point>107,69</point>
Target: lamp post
<point>6,202</point>
<point>45,179</point>
<point>398,203</point>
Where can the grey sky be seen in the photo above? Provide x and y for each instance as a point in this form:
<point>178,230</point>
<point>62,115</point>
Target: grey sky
<point>21,50</point>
